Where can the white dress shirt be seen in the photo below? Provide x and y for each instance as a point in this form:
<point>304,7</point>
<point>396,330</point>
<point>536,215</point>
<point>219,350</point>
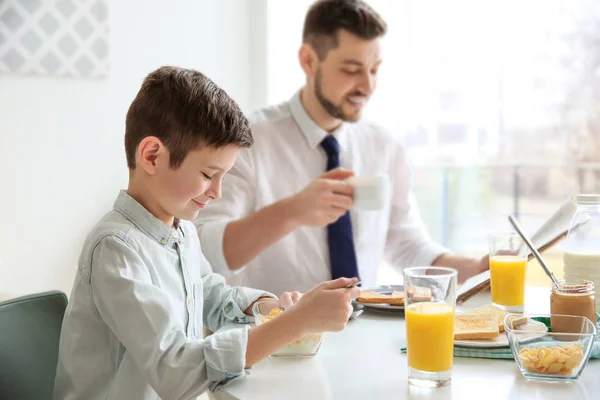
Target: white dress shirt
<point>285,158</point>
<point>133,326</point>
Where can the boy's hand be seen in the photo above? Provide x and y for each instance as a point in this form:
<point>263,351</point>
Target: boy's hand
<point>326,307</point>
<point>324,201</point>
<point>288,299</point>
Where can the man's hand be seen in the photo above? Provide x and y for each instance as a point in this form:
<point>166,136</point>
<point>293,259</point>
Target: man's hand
<point>483,264</point>
<point>324,201</point>
<point>326,307</point>
<point>466,266</point>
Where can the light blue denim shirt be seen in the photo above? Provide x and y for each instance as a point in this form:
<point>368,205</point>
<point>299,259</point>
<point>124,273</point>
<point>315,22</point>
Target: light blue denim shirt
<point>133,326</point>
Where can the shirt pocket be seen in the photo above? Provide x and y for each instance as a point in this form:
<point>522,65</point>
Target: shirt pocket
<point>196,318</point>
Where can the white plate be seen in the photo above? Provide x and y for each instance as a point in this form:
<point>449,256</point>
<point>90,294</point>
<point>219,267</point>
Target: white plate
<point>502,340</point>
<point>385,289</point>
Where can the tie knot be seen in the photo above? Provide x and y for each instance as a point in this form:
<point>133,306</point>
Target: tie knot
<point>331,146</point>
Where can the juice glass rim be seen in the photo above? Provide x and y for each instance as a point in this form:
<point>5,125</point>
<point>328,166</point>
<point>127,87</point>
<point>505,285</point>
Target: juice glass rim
<point>421,272</point>
<point>505,234</point>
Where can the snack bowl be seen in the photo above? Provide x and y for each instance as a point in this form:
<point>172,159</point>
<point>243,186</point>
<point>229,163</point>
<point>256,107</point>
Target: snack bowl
<point>560,354</point>
<point>307,346</point>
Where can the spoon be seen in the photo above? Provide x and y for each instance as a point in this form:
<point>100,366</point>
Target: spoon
<point>357,309</point>
<point>351,285</point>
<point>534,251</point>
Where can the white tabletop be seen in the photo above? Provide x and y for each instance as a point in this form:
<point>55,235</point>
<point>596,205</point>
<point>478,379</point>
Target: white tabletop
<point>364,361</point>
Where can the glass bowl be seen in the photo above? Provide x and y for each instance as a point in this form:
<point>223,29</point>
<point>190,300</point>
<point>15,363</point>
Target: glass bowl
<point>560,354</point>
<point>307,346</point>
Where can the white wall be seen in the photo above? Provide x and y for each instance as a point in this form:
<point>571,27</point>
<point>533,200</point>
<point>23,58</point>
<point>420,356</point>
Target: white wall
<point>61,140</point>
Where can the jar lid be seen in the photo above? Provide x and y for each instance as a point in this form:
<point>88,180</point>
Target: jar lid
<point>588,199</point>
<point>578,286</point>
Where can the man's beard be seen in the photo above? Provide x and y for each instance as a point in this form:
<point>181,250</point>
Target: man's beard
<point>332,109</point>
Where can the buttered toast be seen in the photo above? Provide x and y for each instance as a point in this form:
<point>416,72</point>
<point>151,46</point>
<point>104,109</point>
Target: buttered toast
<point>475,327</point>
<point>369,296</point>
<point>490,309</point>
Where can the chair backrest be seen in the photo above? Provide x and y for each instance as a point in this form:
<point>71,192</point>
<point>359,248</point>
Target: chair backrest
<point>29,335</point>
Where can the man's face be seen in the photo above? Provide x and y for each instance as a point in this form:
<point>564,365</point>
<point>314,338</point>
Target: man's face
<point>184,191</point>
<point>347,77</point>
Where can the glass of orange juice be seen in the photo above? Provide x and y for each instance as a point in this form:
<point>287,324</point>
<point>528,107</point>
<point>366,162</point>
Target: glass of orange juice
<point>508,263</point>
<point>430,298</point>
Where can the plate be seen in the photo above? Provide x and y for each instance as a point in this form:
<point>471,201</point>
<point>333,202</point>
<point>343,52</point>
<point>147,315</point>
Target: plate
<point>384,289</point>
<point>502,340</point>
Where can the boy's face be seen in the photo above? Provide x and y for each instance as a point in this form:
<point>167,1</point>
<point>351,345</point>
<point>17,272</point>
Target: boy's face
<point>183,192</point>
<point>345,80</point>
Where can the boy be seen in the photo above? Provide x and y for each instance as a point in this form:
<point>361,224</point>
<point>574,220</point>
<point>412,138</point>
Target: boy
<point>143,290</point>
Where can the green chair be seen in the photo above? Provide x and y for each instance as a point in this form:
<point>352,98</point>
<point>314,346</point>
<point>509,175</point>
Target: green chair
<point>29,335</point>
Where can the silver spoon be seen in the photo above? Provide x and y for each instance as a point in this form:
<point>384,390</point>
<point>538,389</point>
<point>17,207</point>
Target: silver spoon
<point>534,251</point>
<point>357,309</point>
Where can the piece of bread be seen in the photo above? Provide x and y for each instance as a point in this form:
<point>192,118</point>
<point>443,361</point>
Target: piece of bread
<point>417,293</point>
<point>475,327</point>
<point>490,309</point>
<point>396,299</point>
<point>369,296</point>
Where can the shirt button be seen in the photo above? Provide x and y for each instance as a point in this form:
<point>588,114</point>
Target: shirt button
<point>174,235</point>
<point>189,301</point>
<point>163,241</point>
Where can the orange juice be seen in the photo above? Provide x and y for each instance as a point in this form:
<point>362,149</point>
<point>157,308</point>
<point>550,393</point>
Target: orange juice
<point>430,336</point>
<point>507,274</point>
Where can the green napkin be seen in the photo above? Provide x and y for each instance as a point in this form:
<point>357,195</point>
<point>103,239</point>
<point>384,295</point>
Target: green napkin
<point>499,352</point>
<point>506,352</point>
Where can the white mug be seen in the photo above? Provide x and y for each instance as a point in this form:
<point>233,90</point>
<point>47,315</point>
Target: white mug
<point>370,192</point>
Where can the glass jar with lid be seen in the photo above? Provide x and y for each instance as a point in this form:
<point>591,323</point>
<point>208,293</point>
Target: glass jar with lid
<point>572,298</point>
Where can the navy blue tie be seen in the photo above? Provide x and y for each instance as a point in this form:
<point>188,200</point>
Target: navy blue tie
<point>339,233</point>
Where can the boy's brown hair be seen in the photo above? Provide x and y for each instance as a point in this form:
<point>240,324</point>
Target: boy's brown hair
<point>326,17</point>
<point>185,110</point>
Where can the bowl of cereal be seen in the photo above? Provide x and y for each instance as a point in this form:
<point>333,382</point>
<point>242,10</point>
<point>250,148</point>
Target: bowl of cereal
<point>560,354</point>
<point>307,346</point>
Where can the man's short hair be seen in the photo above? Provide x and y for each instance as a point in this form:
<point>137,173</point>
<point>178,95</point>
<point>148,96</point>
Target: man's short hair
<point>326,18</point>
<point>185,110</point>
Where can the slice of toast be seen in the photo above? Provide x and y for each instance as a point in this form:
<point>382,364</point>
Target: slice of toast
<point>490,309</point>
<point>396,299</point>
<point>369,296</point>
<point>417,293</point>
<point>475,327</point>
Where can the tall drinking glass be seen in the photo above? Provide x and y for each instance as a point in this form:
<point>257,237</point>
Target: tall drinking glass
<point>508,263</point>
<point>430,297</point>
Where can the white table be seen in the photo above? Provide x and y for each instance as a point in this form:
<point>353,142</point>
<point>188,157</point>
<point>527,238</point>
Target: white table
<point>364,361</point>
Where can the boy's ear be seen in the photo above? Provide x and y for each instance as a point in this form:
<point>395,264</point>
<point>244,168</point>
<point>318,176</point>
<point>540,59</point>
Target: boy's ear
<point>149,151</point>
<point>308,59</point>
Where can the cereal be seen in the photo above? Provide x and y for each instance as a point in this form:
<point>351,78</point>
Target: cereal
<point>275,312</point>
<point>555,360</point>
<point>308,344</point>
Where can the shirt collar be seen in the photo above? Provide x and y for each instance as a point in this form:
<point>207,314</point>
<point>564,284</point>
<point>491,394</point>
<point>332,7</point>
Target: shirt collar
<point>145,221</point>
<point>313,133</point>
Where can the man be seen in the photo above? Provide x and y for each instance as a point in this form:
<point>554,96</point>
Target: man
<point>283,222</point>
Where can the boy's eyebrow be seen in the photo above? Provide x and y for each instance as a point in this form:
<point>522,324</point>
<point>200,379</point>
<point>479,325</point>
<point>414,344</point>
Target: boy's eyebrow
<point>215,168</point>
